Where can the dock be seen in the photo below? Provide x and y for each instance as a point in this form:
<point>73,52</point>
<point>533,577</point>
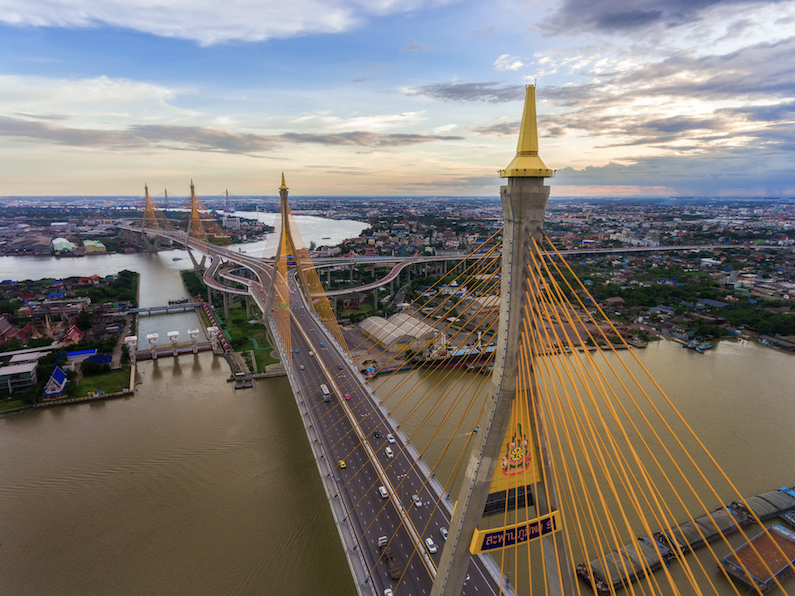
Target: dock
<point>764,568</point>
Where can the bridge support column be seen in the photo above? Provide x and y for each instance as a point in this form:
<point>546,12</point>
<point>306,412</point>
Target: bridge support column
<point>524,202</point>
<point>226,305</point>
<point>209,295</point>
<point>248,307</point>
<point>352,265</point>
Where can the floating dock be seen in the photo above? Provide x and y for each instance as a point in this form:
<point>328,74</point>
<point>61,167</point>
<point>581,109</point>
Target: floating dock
<point>633,561</point>
<point>764,568</point>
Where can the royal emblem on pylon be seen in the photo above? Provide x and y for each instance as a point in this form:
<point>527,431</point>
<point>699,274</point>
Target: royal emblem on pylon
<point>518,456</point>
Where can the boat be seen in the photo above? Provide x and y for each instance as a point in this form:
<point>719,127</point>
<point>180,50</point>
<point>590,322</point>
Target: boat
<point>326,238</point>
<point>177,259</point>
<point>758,563</point>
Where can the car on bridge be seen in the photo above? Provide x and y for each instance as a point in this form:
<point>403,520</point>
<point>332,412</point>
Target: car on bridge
<point>443,532</point>
<point>431,545</point>
<point>348,396</point>
<point>417,500</point>
<point>389,453</point>
<point>343,465</point>
<point>377,434</point>
<point>390,438</point>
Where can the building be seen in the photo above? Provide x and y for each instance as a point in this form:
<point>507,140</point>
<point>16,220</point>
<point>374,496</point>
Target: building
<point>402,332</point>
<point>17,377</point>
<point>62,245</point>
<point>354,300</point>
<point>94,247</point>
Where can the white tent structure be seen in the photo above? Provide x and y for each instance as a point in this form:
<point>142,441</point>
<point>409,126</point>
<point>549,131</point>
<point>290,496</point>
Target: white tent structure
<point>401,332</point>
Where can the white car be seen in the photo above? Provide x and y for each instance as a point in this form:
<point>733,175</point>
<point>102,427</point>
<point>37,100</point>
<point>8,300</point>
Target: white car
<point>389,453</point>
<point>417,500</point>
<point>431,545</point>
<point>388,592</point>
<point>443,532</point>
<point>390,438</point>
<point>311,353</point>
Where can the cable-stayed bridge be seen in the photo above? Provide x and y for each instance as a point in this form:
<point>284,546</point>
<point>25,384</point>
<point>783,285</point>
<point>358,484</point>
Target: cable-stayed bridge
<point>568,459</point>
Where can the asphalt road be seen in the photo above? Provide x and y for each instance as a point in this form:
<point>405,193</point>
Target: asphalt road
<point>348,427</point>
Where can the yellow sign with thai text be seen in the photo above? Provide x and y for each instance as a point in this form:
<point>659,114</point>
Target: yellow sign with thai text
<point>484,541</point>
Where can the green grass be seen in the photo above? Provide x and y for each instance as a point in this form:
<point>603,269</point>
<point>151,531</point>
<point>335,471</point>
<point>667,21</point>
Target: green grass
<point>11,404</point>
<point>241,334</point>
<point>115,380</point>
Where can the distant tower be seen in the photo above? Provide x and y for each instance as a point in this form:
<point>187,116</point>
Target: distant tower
<point>524,202</point>
<point>166,202</point>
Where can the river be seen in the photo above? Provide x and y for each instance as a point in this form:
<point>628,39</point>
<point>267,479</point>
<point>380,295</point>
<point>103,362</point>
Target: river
<point>191,487</point>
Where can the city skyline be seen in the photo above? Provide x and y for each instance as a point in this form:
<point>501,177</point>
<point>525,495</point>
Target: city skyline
<point>420,97</point>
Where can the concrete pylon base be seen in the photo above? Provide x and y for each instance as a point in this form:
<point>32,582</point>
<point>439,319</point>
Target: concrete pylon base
<point>524,202</point>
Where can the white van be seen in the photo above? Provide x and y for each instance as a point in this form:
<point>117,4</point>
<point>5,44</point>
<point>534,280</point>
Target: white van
<point>389,453</point>
<point>382,492</point>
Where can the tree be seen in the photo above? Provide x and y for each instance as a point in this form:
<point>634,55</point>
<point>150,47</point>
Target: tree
<point>84,320</point>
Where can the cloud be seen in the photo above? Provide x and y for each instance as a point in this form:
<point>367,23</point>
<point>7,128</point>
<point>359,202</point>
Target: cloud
<point>207,21</point>
<point>199,138</point>
<point>680,104</point>
<point>415,47</point>
<point>378,122</point>
<point>609,16</point>
<point>42,116</point>
<point>508,62</point>
<point>500,129</point>
<point>491,92</point>
<point>729,171</point>
<point>366,139</point>
<point>97,98</point>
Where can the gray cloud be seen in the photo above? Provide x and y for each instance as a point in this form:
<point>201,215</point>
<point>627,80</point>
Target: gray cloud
<point>762,73</point>
<point>491,92</point>
<point>415,47</point>
<point>734,171</point>
<point>500,129</point>
<point>366,139</point>
<point>610,16</point>
<point>200,138</point>
<point>42,116</point>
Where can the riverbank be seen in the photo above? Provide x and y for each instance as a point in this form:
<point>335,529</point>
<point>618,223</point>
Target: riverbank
<point>90,396</point>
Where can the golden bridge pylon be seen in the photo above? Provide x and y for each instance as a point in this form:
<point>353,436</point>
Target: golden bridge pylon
<point>291,252</point>
<point>510,425</point>
<point>155,220</point>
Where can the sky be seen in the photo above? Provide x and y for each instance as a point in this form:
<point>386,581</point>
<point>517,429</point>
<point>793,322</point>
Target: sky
<point>395,97</point>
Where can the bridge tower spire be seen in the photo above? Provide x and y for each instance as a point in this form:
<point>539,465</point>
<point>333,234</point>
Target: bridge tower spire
<point>524,202</point>
<point>149,220</point>
<point>195,227</point>
<point>279,290</point>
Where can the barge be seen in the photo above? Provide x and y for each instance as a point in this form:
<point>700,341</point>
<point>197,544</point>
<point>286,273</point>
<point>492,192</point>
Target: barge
<point>759,562</point>
<point>633,561</point>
